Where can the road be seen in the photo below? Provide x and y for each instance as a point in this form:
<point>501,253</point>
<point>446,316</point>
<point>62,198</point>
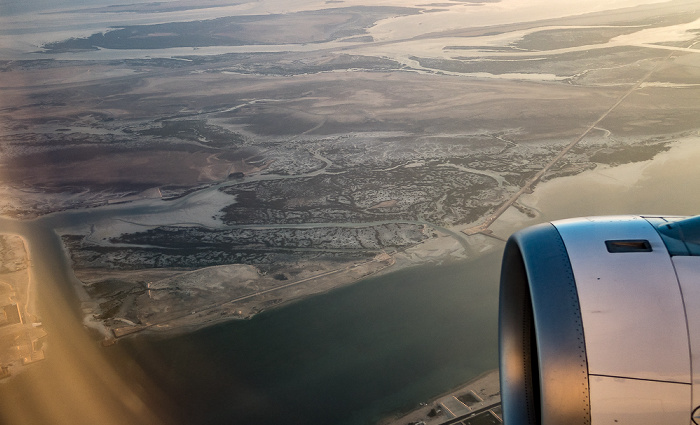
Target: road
<point>137,328</point>
<point>484,226</point>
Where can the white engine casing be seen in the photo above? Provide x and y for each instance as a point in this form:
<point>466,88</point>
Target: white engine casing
<point>600,322</point>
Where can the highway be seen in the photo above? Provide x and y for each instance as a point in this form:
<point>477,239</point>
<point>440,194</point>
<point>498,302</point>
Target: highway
<point>484,226</point>
<point>120,332</point>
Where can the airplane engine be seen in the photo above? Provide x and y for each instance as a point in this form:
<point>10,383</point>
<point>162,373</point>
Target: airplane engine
<point>599,322</point>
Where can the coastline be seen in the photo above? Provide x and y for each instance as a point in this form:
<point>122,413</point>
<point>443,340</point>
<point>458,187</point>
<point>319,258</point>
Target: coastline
<point>21,331</point>
<point>451,244</point>
<point>558,208</point>
<point>274,213</point>
<point>444,249</point>
<point>483,383</point>
<point>554,199</point>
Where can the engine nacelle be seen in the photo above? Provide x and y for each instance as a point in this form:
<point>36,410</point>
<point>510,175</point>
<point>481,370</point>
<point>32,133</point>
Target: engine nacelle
<point>600,322</point>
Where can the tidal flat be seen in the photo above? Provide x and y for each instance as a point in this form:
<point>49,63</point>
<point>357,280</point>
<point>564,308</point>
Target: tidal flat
<point>323,159</point>
<point>194,184</point>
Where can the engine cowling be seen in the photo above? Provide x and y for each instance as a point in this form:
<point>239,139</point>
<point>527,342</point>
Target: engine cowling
<point>599,322</point>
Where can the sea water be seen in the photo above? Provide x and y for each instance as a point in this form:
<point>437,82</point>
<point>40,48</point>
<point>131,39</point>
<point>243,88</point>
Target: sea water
<point>345,357</point>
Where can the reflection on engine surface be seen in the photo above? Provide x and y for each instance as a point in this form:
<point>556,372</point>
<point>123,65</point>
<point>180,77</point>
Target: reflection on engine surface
<point>600,321</point>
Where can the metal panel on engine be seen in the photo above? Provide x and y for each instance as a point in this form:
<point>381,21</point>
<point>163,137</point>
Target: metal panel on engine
<point>688,271</point>
<point>618,401</point>
<point>631,306</point>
